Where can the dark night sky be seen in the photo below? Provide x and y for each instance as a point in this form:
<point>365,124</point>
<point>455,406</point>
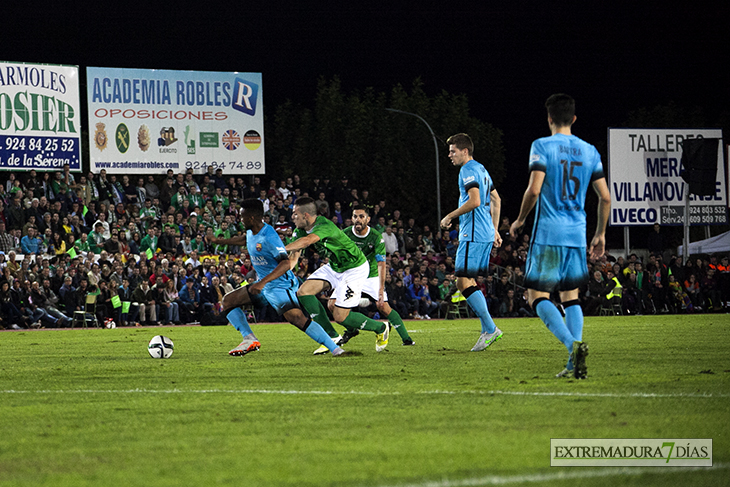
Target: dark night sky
<point>613,57</point>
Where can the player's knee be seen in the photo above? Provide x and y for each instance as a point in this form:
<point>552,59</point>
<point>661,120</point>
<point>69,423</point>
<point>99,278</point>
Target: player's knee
<point>297,318</point>
<point>234,300</point>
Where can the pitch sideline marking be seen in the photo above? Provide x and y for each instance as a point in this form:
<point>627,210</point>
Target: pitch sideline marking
<point>564,475</point>
<point>376,393</point>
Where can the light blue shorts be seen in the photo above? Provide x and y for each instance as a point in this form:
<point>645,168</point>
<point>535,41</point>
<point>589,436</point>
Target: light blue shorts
<point>472,259</point>
<point>555,268</point>
<point>281,298</point>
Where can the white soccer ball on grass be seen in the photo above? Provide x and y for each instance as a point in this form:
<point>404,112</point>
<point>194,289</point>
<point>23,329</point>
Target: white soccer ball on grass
<point>160,347</point>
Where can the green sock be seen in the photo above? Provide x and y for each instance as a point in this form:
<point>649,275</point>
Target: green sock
<point>397,323</point>
<point>316,311</point>
<point>362,322</point>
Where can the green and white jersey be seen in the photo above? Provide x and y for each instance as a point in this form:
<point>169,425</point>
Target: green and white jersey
<point>342,252</point>
<point>372,245</point>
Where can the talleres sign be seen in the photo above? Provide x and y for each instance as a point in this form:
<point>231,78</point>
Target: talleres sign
<point>151,121</point>
<point>646,183</point>
<point>39,117</point>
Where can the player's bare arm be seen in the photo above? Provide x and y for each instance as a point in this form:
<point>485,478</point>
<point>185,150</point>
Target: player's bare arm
<point>294,258</point>
<point>598,244</point>
<point>278,271</point>
<point>381,280</point>
<point>495,208</point>
<point>303,242</point>
<point>470,204</point>
<point>529,199</point>
<point>237,240</point>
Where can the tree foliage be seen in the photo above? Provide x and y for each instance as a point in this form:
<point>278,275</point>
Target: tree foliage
<point>390,154</point>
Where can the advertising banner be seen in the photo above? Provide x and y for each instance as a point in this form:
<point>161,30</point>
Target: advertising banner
<point>646,186</point>
<point>39,117</point>
<point>150,121</point>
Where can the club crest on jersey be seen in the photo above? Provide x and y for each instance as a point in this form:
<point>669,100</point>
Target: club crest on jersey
<point>258,247</point>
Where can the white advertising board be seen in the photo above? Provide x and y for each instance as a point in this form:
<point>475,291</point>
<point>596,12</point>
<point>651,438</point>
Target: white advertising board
<point>645,182</point>
<point>150,121</point>
<point>40,125</point>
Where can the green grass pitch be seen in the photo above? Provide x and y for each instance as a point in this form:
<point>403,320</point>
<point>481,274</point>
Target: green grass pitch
<point>90,407</point>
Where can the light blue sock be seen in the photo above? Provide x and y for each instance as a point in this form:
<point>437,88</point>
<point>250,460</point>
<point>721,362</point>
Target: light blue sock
<point>238,319</point>
<point>574,321</point>
<point>317,333</point>
<point>552,318</point>
<point>478,303</point>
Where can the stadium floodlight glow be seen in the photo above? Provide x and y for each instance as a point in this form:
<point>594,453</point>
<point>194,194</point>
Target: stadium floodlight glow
<point>438,171</point>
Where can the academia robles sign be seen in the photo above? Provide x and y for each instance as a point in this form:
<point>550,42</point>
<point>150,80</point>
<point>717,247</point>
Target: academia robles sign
<point>39,117</point>
<point>613,452</point>
<point>150,121</point>
<point>645,181</point>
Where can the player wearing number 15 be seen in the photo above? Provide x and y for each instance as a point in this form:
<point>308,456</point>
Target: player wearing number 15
<point>562,167</point>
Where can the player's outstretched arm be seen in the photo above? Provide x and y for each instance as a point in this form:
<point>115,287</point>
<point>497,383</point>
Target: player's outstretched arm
<point>598,244</point>
<point>237,240</point>
<point>303,243</point>
<point>529,199</point>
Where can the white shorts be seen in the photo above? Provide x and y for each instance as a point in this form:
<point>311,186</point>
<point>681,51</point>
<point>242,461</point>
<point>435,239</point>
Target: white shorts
<point>372,288</point>
<point>370,292</point>
<point>346,286</point>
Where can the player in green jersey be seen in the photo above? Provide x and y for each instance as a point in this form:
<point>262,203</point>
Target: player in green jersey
<point>370,242</point>
<point>346,273</point>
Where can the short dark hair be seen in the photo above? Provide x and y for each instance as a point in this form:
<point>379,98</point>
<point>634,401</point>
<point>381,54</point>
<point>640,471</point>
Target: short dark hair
<point>307,205</point>
<point>358,206</point>
<point>253,206</point>
<point>561,109</point>
<point>461,141</point>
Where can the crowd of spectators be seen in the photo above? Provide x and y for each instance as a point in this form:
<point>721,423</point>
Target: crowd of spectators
<point>651,285</point>
<point>143,249</point>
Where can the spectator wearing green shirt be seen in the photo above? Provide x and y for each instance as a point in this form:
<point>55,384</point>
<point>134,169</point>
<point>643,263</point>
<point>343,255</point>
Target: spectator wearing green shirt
<point>223,233</point>
<point>149,241</point>
<point>96,238</point>
<point>148,214</point>
<point>195,198</point>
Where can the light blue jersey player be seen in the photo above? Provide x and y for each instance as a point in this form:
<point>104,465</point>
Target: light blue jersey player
<point>266,251</point>
<point>277,284</point>
<point>478,212</point>
<point>562,167</point>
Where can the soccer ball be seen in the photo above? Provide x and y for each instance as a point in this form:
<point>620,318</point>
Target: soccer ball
<point>160,347</point>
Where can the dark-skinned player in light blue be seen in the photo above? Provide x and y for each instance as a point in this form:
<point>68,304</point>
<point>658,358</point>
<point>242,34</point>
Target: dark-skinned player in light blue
<point>277,283</point>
